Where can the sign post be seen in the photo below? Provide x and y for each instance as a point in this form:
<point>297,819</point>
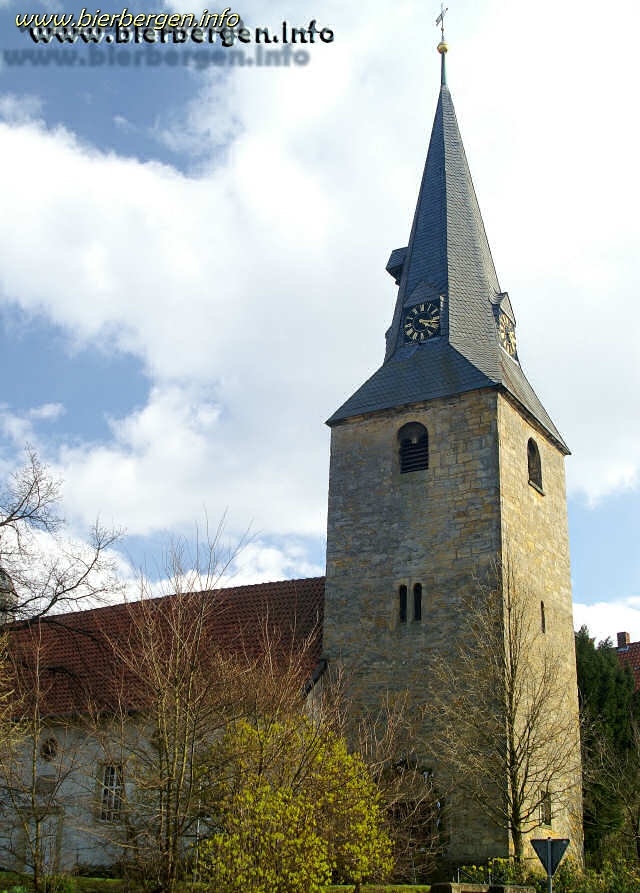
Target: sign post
<point>550,853</point>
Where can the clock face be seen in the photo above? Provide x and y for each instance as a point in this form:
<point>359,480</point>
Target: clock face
<point>507,334</point>
<point>422,322</point>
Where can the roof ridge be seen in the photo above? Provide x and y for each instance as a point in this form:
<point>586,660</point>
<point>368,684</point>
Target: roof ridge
<point>56,619</point>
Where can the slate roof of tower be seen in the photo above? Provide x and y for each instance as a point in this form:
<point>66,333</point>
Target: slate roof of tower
<point>448,256</point>
<point>76,657</point>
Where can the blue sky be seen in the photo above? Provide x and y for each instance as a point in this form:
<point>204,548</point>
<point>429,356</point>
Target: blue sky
<point>192,264</point>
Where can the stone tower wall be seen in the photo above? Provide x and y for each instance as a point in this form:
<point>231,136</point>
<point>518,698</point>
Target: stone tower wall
<point>439,527</point>
<point>444,528</point>
<point>535,544</point>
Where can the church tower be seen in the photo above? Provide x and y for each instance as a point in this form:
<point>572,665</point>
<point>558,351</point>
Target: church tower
<point>444,466</point>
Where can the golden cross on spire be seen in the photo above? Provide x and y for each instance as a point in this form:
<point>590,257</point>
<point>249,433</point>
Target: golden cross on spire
<point>440,20</point>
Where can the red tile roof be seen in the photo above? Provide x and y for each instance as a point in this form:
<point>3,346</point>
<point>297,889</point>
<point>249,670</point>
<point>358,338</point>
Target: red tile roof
<point>84,657</point>
<point>629,656</point>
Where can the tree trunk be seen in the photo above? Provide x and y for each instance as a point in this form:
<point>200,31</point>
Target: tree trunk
<point>518,844</point>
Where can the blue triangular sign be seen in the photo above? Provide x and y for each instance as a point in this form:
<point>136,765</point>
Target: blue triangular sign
<point>550,852</point>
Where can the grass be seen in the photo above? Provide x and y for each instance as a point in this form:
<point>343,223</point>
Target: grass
<point>98,884</point>
<point>11,882</point>
<point>379,888</point>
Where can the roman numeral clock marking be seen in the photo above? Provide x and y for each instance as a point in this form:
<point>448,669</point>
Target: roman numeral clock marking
<point>422,322</point>
<point>507,335</point>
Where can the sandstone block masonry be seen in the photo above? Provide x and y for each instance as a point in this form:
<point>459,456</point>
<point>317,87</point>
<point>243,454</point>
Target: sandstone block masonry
<point>443,528</point>
<point>535,539</point>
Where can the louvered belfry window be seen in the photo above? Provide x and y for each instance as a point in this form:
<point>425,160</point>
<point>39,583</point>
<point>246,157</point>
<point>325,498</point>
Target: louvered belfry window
<point>414,447</point>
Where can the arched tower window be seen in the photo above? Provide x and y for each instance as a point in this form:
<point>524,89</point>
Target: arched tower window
<point>414,447</point>
<point>535,467</point>
<point>402,604</point>
<point>417,601</point>
<point>543,619</point>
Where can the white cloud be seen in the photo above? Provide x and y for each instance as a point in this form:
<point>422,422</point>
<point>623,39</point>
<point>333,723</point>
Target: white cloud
<point>185,564</point>
<point>181,453</point>
<point>19,109</point>
<point>258,562</point>
<point>606,619</point>
<point>19,428</point>
<point>124,124</point>
<point>15,428</point>
<point>47,412</point>
<point>255,292</point>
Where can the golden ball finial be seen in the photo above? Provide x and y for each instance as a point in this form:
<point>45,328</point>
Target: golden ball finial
<point>442,47</point>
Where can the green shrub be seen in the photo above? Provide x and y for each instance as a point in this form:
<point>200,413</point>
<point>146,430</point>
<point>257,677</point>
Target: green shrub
<point>616,876</point>
<point>506,871</point>
<point>294,809</point>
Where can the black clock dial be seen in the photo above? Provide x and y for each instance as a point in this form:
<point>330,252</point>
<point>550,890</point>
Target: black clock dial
<point>422,322</point>
<point>507,334</point>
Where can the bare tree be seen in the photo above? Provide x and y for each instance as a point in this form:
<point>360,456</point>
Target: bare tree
<point>39,755</point>
<point>150,685</point>
<point>41,570</point>
<point>504,731</point>
<point>177,689</point>
<point>391,742</point>
<point>617,770</point>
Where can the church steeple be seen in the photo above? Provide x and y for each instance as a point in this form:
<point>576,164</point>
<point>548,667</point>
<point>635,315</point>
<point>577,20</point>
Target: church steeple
<point>447,480</point>
<point>453,328</point>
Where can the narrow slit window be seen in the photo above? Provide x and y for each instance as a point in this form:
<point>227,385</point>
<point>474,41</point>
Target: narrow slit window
<point>535,466</point>
<point>543,619</point>
<point>402,599</point>
<point>546,813</point>
<point>414,447</point>
<point>417,601</point>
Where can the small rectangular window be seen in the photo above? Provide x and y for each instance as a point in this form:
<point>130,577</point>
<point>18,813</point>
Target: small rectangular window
<point>417,601</point>
<point>402,598</point>
<point>112,791</point>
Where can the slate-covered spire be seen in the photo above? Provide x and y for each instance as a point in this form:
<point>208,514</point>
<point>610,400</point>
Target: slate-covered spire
<point>447,268</point>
